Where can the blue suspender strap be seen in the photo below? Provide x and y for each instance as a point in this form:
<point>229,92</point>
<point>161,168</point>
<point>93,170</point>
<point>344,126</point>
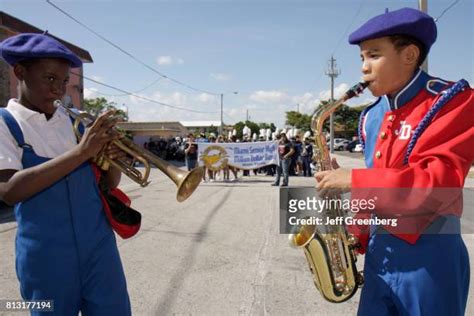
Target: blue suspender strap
<point>13,126</point>
<point>445,98</point>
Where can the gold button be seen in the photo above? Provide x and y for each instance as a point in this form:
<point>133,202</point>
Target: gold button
<point>391,118</point>
<point>378,155</point>
<point>383,135</point>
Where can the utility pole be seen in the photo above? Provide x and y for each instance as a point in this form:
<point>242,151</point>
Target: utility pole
<point>332,73</point>
<point>221,130</point>
<point>247,117</point>
<point>298,107</point>
<point>423,7</point>
<point>126,110</point>
<point>222,114</point>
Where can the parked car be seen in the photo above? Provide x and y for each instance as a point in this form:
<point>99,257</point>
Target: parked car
<point>358,148</point>
<point>340,144</point>
<point>352,145</point>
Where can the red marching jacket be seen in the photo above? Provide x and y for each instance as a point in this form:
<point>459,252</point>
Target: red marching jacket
<point>420,153</point>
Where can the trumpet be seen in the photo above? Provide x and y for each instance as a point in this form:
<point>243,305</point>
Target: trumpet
<point>187,182</point>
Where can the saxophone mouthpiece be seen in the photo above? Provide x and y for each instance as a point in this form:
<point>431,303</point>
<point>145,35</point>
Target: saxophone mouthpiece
<point>364,84</point>
<point>357,89</point>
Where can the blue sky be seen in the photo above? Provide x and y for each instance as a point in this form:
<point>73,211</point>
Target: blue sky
<point>274,53</point>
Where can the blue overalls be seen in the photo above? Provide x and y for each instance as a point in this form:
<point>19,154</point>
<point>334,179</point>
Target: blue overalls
<point>65,249</point>
<point>430,277</point>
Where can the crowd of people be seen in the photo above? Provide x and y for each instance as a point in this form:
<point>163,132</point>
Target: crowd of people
<point>166,148</point>
<point>295,157</point>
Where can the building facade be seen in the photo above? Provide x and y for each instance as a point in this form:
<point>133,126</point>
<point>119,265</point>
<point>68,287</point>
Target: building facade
<point>10,26</point>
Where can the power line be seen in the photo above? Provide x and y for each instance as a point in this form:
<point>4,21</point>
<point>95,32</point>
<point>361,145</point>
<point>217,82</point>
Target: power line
<point>446,10</point>
<point>349,26</point>
<point>126,52</point>
<point>340,39</point>
<point>141,97</point>
<point>137,91</point>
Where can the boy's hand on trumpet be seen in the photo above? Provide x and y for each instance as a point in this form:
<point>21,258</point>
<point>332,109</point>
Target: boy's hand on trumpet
<point>111,150</point>
<point>98,135</point>
<point>114,153</point>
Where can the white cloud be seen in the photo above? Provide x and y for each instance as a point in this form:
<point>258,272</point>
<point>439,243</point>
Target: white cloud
<point>165,60</point>
<point>220,76</point>
<point>270,113</point>
<point>237,113</point>
<point>305,98</point>
<point>270,106</point>
<point>205,98</point>
<point>149,112</point>
<point>144,111</point>
<point>267,97</point>
<point>359,101</point>
<point>90,93</point>
<point>263,106</point>
<point>306,103</point>
<point>97,78</point>
<point>168,61</point>
<point>338,92</point>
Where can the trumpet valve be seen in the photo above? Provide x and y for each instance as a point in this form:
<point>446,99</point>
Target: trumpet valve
<point>102,162</point>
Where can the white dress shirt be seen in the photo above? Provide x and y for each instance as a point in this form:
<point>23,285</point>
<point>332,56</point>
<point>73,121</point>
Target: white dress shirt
<point>49,138</point>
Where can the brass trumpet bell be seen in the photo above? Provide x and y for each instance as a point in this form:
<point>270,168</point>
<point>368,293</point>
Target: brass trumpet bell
<point>187,182</point>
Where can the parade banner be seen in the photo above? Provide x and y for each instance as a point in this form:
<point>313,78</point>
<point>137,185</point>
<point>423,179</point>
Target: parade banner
<point>216,156</point>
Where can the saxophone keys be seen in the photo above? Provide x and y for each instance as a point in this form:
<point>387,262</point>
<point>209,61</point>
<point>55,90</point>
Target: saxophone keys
<point>353,240</point>
<point>360,278</point>
<point>343,288</point>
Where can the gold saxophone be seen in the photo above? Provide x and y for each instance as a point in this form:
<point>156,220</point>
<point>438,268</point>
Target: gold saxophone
<point>186,182</point>
<point>330,251</point>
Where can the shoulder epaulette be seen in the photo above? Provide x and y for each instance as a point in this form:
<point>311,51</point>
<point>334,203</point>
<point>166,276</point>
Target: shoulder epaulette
<point>436,86</point>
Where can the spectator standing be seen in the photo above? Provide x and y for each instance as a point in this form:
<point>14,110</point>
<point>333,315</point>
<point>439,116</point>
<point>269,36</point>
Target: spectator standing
<point>191,153</point>
<point>285,151</point>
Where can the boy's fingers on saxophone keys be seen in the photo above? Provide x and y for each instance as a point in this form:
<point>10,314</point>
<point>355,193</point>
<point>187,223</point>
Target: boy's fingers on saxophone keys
<point>321,185</point>
<point>321,175</point>
<point>324,193</point>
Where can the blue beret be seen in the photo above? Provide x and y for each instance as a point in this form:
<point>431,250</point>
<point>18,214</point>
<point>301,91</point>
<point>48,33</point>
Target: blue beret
<point>31,45</point>
<point>406,21</point>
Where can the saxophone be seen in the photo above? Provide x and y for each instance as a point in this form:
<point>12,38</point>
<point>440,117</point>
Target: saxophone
<point>330,251</point>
